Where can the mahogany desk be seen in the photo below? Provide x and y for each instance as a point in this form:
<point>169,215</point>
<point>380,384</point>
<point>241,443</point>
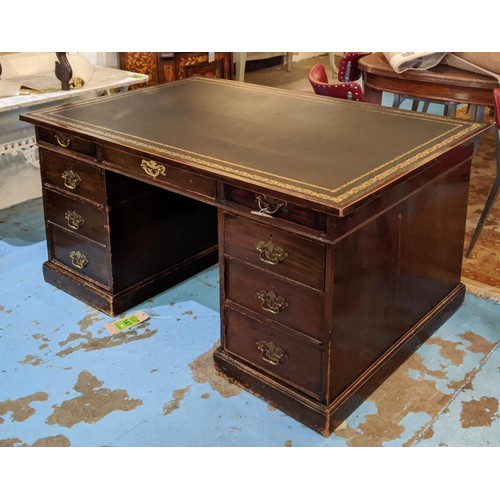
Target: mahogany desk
<point>338,226</point>
<point>441,83</point>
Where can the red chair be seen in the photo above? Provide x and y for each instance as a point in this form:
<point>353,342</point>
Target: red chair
<point>496,184</point>
<point>348,66</point>
<point>342,90</point>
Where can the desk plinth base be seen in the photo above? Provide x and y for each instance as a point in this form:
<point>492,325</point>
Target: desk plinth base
<point>113,304</point>
<point>325,418</point>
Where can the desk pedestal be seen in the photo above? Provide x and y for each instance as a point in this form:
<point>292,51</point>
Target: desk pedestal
<point>115,241</point>
<point>315,333</point>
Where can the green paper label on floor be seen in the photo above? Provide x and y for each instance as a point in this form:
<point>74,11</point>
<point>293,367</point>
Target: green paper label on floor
<point>128,322</point>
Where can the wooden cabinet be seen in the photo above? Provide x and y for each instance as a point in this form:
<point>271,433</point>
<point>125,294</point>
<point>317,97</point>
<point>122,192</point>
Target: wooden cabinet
<point>164,67</point>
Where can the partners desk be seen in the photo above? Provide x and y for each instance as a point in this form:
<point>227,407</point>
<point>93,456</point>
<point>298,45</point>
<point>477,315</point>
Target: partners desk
<point>441,83</point>
<point>338,226</point>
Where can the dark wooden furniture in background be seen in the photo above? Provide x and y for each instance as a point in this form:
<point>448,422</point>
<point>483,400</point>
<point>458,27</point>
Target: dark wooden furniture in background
<point>441,83</point>
<point>165,67</point>
<point>340,225</point>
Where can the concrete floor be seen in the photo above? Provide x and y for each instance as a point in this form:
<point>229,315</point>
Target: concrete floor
<point>65,381</point>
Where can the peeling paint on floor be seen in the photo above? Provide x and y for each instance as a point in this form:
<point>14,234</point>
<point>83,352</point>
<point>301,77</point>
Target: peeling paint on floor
<point>20,408</point>
<point>65,381</point>
<point>114,340</point>
<point>178,396</point>
<point>478,413</point>
<point>204,372</point>
<point>93,404</point>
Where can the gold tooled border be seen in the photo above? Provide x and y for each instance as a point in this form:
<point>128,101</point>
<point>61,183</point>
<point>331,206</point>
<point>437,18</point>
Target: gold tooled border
<point>255,174</point>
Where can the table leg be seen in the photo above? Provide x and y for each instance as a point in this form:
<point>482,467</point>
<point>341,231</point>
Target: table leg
<point>240,63</point>
<point>489,203</point>
<point>396,100</point>
<point>450,109</point>
<point>476,113</point>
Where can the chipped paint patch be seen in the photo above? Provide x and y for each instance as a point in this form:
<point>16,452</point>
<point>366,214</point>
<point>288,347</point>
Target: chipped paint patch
<point>399,397</point>
<point>92,344</point>
<point>479,413</point>
<point>428,433</point>
<point>54,441</point>
<point>203,370</point>
<point>448,350</point>
<point>477,343</point>
<point>10,442</point>
<point>190,313</point>
<point>178,396</point>
<point>39,336</point>
<point>288,443</point>
<point>89,319</point>
<point>50,441</point>
<point>31,360</point>
<point>93,404</point>
<point>413,390</point>
<point>419,367</point>
<point>20,408</point>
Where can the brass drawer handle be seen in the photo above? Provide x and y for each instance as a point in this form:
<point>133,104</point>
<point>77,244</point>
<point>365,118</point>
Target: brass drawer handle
<point>271,353</point>
<point>267,207</point>
<point>271,301</point>
<point>65,141</point>
<point>153,168</point>
<point>74,220</point>
<point>270,253</point>
<point>78,259</point>
<point>71,180</point>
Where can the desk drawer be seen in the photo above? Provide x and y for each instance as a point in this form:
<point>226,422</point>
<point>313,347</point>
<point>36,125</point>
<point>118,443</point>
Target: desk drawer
<point>71,175</point>
<point>290,304</point>
<point>81,256</point>
<point>67,142</point>
<point>276,251</point>
<point>161,172</point>
<point>290,358</point>
<point>75,216</point>
<point>278,209</point>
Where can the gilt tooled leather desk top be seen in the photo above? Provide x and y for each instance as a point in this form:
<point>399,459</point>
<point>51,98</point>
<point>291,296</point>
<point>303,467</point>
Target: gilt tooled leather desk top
<point>326,151</point>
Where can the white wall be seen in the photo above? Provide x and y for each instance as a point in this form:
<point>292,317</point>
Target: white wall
<point>109,59</point>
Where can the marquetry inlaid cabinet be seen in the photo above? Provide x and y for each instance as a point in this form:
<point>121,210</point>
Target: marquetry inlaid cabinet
<point>164,67</point>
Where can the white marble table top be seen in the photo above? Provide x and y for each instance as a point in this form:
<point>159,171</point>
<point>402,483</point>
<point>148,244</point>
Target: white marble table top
<point>103,78</point>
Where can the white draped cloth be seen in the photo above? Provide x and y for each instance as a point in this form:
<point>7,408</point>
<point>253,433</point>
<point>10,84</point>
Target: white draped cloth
<point>486,63</point>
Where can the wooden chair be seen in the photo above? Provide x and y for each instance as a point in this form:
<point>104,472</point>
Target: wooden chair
<point>348,66</point>
<point>496,184</point>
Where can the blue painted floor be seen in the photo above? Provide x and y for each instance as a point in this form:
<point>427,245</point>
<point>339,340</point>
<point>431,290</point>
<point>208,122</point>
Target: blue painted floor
<point>66,381</point>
